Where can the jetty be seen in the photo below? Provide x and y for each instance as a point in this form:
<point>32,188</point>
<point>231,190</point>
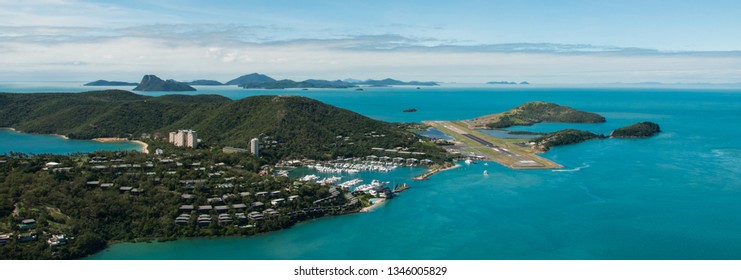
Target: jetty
<point>472,143</point>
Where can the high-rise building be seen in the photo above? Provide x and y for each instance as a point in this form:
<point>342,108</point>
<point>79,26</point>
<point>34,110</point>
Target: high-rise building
<point>255,147</point>
<point>184,138</point>
<point>191,139</point>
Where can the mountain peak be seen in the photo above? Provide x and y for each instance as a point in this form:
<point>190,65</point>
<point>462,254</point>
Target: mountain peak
<point>154,83</point>
<point>254,78</point>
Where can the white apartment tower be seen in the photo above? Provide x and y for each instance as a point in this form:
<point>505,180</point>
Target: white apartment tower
<point>255,147</point>
<point>184,138</point>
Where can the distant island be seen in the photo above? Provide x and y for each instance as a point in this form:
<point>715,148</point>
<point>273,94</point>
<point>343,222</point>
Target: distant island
<point>535,112</point>
<point>507,83</point>
<point>638,130</point>
<point>254,78</point>
<point>205,83</point>
<point>154,83</point>
<point>109,83</point>
<point>392,82</point>
<point>410,110</point>
<point>283,84</point>
<point>256,81</point>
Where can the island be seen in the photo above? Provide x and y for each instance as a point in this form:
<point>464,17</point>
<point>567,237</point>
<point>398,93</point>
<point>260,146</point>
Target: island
<point>392,82</point>
<point>216,187</point>
<point>507,83</point>
<point>311,83</point>
<point>410,110</point>
<point>205,83</point>
<point>154,83</point>
<point>100,83</point>
<point>261,81</point>
<point>638,130</point>
<point>254,78</point>
<point>535,112</point>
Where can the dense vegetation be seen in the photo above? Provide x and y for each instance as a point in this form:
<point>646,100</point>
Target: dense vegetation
<point>638,130</point>
<point>62,201</point>
<point>534,112</point>
<point>301,127</point>
<point>154,83</point>
<point>564,137</point>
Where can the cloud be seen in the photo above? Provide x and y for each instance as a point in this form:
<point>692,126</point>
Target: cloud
<point>224,51</point>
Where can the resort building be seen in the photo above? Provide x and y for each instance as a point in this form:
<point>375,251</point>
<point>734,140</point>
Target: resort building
<point>184,138</point>
<point>255,147</point>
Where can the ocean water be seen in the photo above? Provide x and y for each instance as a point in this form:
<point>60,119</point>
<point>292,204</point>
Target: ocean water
<point>673,196</point>
<point>11,141</point>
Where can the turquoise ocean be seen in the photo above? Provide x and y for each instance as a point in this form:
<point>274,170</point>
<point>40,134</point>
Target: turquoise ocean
<point>673,196</point>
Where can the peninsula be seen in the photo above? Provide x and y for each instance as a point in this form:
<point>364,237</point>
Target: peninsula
<point>517,153</point>
<point>471,143</point>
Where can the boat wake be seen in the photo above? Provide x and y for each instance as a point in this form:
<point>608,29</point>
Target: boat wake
<point>572,170</point>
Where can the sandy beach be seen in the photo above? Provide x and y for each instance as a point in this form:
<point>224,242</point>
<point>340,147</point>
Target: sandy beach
<point>374,205</point>
<point>143,145</point>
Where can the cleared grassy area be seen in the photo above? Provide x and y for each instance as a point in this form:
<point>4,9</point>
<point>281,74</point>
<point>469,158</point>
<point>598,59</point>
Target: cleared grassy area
<point>505,152</point>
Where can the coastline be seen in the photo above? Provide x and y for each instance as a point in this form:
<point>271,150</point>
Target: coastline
<point>372,206</point>
<point>18,131</point>
<point>144,146</point>
<point>434,171</point>
<point>61,136</point>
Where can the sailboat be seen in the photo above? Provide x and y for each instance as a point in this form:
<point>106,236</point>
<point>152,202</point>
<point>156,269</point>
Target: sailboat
<point>486,173</point>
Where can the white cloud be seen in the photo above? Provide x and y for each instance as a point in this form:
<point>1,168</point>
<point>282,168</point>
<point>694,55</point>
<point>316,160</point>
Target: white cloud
<point>214,51</point>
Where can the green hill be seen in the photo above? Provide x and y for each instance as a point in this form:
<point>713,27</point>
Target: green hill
<point>535,112</point>
<point>301,127</point>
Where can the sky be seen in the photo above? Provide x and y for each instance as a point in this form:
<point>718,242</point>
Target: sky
<point>547,42</point>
